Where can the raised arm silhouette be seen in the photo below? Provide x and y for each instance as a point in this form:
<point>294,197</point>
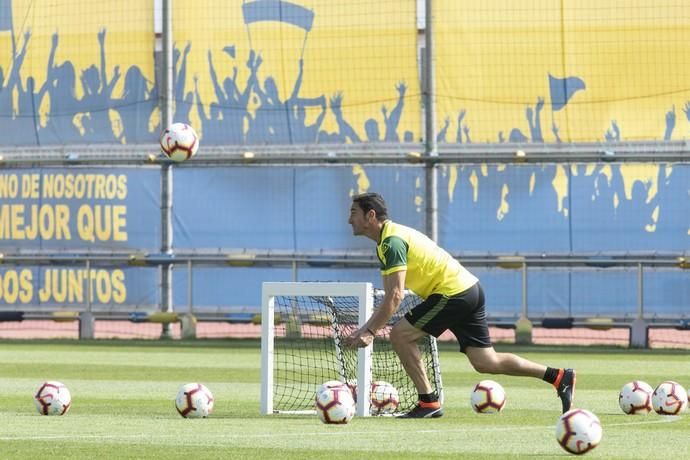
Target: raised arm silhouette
<point>613,134</point>
<point>670,123</point>
<point>97,99</point>
<point>554,130</point>
<point>298,130</point>
<point>233,104</point>
<point>466,130</point>
<point>16,123</point>
<point>301,132</point>
<point>441,136</point>
<point>458,133</point>
<point>60,128</point>
<point>393,120</point>
<point>534,120</point>
<point>345,130</point>
<point>183,101</point>
<point>273,121</point>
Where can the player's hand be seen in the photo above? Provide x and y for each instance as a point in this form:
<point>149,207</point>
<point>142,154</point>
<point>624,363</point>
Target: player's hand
<point>359,339</point>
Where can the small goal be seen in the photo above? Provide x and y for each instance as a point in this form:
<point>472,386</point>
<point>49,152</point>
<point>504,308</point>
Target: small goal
<point>303,328</point>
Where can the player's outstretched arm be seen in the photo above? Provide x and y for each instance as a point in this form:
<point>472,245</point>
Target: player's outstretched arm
<point>394,287</point>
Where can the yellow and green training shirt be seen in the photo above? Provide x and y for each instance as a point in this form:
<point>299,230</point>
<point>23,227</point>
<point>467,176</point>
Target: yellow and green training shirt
<point>430,269</point>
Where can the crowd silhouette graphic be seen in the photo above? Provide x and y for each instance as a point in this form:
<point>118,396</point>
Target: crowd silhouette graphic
<point>98,115</point>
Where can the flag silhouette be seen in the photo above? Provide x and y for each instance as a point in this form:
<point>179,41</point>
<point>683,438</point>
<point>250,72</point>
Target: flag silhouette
<point>562,89</point>
<point>278,10</point>
<point>5,15</point>
<point>230,50</point>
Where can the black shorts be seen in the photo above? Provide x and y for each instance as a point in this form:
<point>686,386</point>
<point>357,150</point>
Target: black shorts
<point>463,314</point>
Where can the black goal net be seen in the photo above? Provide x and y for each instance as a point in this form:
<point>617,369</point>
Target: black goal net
<point>309,350</point>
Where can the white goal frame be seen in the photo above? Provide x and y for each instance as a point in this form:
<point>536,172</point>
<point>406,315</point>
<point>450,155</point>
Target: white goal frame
<point>362,291</point>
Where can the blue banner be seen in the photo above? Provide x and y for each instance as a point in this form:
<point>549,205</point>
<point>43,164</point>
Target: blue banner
<point>80,209</point>
<point>110,287</point>
<point>286,208</point>
<point>579,208</point>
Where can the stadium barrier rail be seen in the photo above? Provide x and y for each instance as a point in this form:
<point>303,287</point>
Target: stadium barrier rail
<point>636,320</point>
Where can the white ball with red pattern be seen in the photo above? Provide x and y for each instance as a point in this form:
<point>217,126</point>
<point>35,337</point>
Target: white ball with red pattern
<point>53,398</point>
<point>179,142</point>
<point>384,398</point>
<point>335,405</point>
<point>194,400</point>
<point>328,384</point>
<point>669,398</point>
<point>636,398</point>
<point>578,431</point>
<point>488,397</point>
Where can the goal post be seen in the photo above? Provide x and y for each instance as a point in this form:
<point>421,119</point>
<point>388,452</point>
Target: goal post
<point>303,328</point>
<point>361,291</point>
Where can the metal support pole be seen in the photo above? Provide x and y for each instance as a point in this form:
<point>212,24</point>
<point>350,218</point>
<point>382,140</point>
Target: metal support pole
<point>523,326</point>
<point>168,95</point>
<point>166,168</point>
<point>524,311</point>
<point>190,294</point>
<point>188,320</point>
<point>166,246</point>
<point>88,286</point>
<point>640,291</point>
<point>87,329</point>
<point>430,125</point>
<point>639,329</point>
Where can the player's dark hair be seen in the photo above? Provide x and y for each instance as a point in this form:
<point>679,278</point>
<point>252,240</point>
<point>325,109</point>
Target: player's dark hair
<point>369,201</point>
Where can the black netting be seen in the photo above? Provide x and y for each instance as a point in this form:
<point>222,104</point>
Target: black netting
<point>308,350</point>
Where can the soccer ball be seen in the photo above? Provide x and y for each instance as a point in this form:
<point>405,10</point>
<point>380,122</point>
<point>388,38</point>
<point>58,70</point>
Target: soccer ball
<point>384,398</point>
<point>578,431</point>
<point>488,397</point>
<point>335,405</point>
<point>351,384</point>
<point>669,398</point>
<point>194,400</point>
<point>636,398</point>
<point>53,398</point>
<point>179,142</point>
<point>326,385</point>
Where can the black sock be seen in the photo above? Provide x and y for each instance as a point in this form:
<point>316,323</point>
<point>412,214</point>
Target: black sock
<point>550,375</point>
<point>428,398</point>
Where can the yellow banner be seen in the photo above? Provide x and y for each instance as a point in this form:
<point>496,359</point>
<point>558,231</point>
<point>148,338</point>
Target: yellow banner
<point>359,69</point>
<point>571,71</point>
<point>76,57</point>
<point>128,39</point>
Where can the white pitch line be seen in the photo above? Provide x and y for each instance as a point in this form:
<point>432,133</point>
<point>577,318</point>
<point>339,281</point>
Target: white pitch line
<point>48,437</point>
<point>664,419</point>
<point>469,429</point>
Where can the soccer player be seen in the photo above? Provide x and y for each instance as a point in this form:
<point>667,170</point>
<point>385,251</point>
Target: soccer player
<point>453,299</point>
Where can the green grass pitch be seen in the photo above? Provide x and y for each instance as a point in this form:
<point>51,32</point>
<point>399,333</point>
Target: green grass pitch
<point>123,392</point>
